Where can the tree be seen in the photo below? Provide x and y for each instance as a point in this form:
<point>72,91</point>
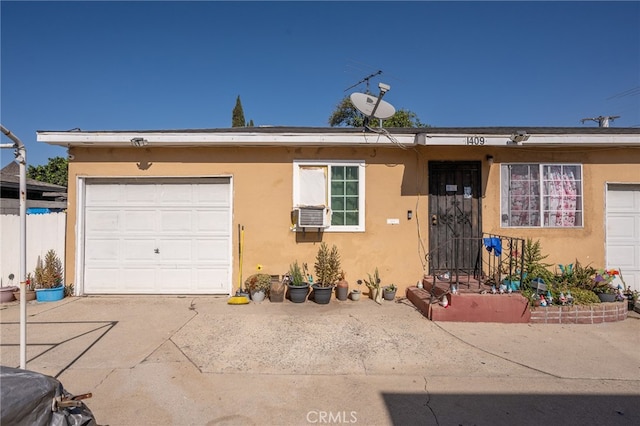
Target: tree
<point>55,171</point>
<point>237,119</point>
<point>347,115</point>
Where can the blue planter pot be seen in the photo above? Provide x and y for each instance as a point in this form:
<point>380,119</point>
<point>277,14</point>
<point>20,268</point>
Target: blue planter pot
<point>50,294</point>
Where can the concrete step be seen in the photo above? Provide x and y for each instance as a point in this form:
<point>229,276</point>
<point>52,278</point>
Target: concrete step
<point>471,307</point>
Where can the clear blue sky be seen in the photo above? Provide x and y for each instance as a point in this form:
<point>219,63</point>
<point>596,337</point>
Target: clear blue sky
<point>179,65</point>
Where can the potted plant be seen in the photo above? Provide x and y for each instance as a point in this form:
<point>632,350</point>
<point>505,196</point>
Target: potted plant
<point>48,278</point>
<point>342,287</point>
<point>632,298</point>
<point>297,284</point>
<point>602,285</point>
<point>373,283</point>
<point>327,268</point>
<point>30,293</point>
<point>390,292</point>
<point>258,285</point>
<point>7,294</point>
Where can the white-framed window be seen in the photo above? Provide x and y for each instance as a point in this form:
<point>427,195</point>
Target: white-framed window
<point>336,185</point>
<point>541,195</point>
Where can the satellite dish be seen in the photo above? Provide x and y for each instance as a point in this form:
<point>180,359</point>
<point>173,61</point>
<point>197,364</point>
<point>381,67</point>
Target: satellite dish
<point>372,106</point>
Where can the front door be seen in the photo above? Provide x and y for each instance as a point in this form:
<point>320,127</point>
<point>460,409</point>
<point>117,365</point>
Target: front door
<point>455,216</point>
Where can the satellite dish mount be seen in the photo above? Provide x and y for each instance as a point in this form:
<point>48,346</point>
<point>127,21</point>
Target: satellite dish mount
<point>373,107</point>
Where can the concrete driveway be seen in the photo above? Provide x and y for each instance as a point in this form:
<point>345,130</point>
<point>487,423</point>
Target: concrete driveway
<point>199,361</point>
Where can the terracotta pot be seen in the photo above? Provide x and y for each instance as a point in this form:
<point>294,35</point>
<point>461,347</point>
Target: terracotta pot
<point>29,295</point>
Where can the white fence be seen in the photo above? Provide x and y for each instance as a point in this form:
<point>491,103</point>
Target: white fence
<point>44,232</point>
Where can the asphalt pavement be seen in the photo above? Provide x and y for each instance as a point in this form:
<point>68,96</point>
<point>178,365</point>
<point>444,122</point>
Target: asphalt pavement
<point>184,360</point>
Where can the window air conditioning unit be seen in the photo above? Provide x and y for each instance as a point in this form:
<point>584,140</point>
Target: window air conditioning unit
<point>311,217</point>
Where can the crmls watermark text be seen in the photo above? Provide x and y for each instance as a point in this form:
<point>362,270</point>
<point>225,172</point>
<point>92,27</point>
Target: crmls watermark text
<point>331,417</point>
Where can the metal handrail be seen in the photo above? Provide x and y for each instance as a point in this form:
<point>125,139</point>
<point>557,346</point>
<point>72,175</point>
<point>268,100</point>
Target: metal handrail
<point>497,257</point>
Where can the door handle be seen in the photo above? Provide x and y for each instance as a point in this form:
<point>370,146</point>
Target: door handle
<point>434,219</point>
<point>156,251</point>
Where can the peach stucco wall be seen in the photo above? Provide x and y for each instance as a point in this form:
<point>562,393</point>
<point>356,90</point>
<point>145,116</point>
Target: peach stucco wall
<point>396,181</point>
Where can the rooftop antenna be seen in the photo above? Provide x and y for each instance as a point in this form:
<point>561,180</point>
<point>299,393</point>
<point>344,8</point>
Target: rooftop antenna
<point>603,120</point>
<point>373,107</point>
<point>365,80</point>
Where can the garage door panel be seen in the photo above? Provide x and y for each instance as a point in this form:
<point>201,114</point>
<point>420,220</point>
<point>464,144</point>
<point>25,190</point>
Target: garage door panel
<point>174,250</point>
<point>187,220</point>
<point>175,280</point>
<point>177,220</point>
<point>139,249</point>
<point>176,194</point>
<point>138,194</point>
<point>623,227</point>
<point>627,257</point>
<point>104,279</point>
<point>102,195</point>
<point>102,221</point>
<point>217,221</point>
<point>623,200</point>
<point>99,249</point>
<point>213,195</point>
<point>139,220</point>
<point>213,250</point>
<point>216,278</point>
<point>138,279</point>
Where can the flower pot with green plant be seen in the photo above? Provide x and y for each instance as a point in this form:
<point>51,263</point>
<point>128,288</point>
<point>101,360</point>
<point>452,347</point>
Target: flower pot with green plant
<point>48,278</point>
<point>390,292</point>
<point>297,284</point>
<point>258,285</point>
<point>603,287</point>
<point>373,283</point>
<point>327,269</point>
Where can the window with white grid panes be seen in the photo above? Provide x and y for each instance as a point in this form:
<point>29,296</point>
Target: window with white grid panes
<point>541,195</point>
<point>338,185</point>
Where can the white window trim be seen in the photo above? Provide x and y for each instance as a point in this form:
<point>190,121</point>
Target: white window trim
<point>541,223</point>
<point>361,190</point>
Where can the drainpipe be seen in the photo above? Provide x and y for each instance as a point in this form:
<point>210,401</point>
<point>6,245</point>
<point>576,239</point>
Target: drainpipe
<point>21,159</point>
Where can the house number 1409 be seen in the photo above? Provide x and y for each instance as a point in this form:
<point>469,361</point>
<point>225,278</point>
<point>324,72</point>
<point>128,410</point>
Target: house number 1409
<point>475,140</point>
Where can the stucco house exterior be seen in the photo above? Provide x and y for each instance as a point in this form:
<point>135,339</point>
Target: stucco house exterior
<point>159,212</point>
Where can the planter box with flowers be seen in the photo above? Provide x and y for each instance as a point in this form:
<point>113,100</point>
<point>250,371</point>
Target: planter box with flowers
<point>606,289</point>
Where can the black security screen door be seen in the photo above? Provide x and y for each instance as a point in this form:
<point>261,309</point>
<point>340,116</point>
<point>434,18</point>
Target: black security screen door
<point>455,215</point>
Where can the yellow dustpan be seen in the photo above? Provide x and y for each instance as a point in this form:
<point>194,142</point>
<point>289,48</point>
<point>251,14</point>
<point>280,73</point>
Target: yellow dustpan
<point>239,300</point>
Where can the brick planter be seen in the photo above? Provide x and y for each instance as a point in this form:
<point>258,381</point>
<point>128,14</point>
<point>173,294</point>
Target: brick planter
<point>581,314</point>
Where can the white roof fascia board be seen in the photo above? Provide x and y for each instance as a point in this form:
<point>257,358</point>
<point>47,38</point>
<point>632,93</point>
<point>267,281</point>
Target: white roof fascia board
<point>575,139</point>
<point>122,139</point>
<point>468,139</point>
<point>583,140</point>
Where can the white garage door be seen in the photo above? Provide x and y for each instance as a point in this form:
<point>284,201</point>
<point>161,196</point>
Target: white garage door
<point>169,236</point>
<point>623,231</point>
